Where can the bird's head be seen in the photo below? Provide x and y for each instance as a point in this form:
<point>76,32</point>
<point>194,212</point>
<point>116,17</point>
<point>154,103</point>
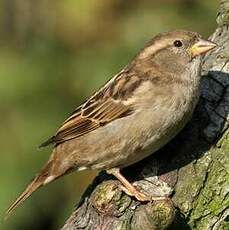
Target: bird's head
<point>174,51</point>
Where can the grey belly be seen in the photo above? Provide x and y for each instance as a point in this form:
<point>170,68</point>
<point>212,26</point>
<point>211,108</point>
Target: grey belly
<point>136,145</point>
<point>124,141</point>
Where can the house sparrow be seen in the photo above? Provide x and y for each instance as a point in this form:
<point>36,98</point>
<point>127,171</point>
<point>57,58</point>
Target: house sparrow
<point>132,116</point>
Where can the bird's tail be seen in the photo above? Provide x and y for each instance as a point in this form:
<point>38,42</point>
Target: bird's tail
<point>44,177</point>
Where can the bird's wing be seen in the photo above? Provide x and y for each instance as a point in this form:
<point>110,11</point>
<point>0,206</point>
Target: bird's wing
<point>107,105</point>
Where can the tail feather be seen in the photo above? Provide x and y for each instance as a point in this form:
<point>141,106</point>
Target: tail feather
<point>32,187</point>
<point>43,178</point>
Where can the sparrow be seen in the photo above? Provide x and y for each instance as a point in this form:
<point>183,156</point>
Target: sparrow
<point>132,116</point>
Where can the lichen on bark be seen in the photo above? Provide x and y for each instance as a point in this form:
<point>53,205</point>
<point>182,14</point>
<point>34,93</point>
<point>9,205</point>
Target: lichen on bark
<point>192,170</point>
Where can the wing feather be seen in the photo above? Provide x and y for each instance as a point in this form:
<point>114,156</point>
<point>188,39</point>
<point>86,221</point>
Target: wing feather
<point>104,107</point>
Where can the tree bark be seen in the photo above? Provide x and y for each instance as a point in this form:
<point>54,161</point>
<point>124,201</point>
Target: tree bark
<point>192,170</point>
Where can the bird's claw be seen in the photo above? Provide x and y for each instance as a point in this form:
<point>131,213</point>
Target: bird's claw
<point>140,196</point>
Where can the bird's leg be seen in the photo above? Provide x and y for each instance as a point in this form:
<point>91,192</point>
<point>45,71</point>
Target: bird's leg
<point>129,189</point>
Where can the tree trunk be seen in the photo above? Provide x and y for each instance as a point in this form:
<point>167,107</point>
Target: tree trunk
<point>192,170</point>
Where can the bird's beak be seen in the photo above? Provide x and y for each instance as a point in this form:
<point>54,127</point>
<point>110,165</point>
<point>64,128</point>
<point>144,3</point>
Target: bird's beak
<point>201,47</point>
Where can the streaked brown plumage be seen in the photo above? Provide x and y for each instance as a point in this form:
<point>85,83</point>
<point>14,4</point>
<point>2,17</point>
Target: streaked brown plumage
<point>136,113</point>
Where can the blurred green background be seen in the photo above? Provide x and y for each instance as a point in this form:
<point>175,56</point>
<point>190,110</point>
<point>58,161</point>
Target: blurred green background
<point>52,55</point>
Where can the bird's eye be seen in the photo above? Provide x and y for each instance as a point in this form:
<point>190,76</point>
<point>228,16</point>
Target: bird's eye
<point>178,43</point>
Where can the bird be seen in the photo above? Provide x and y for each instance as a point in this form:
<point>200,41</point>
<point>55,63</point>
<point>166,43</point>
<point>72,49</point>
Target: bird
<point>130,117</point>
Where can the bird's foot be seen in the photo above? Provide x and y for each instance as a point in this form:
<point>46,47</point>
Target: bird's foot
<point>130,190</point>
<point>140,196</point>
